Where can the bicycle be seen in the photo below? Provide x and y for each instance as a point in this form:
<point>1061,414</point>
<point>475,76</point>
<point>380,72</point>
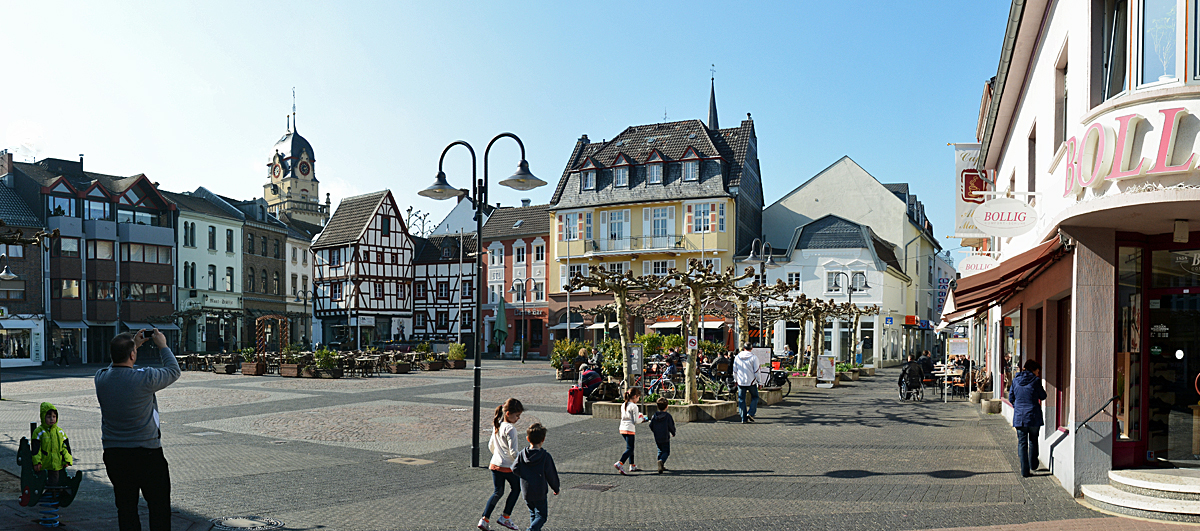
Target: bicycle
<point>720,389</point>
<point>779,379</point>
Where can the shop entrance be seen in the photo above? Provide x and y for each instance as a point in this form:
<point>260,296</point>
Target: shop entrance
<point>1174,359</point>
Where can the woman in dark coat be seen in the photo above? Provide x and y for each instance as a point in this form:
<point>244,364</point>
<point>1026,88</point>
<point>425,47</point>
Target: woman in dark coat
<point>1026,397</point>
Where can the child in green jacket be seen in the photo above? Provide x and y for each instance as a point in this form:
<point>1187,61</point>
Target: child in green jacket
<point>51,449</point>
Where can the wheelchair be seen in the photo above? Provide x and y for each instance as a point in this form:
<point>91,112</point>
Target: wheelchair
<point>911,390</point>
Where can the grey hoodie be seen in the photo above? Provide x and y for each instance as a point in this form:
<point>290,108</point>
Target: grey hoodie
<point>536,469</point>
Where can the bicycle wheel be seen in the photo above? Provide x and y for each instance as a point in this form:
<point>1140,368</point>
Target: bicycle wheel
<point>667,389</point>
<point>785,385</point>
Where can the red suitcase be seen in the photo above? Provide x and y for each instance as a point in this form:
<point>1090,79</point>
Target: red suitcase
<point>575,400</point>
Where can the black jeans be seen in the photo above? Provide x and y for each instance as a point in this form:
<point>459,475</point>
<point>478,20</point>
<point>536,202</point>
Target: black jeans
<point>514,492</point>
<point>140,469</point>
<point>1027,448</point>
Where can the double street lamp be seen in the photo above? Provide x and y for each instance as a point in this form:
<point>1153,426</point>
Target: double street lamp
<point>852,287</point>
<point>478,196</point>
<point>304,295</point>
<point>521,288</point>
<point>761,253</point>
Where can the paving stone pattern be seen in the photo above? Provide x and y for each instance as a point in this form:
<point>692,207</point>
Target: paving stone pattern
<point>315,454</point>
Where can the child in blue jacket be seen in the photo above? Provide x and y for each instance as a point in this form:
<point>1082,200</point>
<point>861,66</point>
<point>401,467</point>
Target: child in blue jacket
<point>536,469</point>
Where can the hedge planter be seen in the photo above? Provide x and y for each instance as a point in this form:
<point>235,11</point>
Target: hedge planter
<point>707,412</point>
<point>225,368</point>
<point>257,368</point>
<point>456,364</point>
<point>848,375</point>
<point>803,382</point>
<point>399,368</point>
<point>770,395</point>
<point>432,365</point>
<point>289,370</point>
<point>328,373</point>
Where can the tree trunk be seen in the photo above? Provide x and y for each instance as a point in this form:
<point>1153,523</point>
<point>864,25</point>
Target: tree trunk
<point>622,299</point>
<point>818,320</point>
<point>742,318</point>
<point>693,395</point>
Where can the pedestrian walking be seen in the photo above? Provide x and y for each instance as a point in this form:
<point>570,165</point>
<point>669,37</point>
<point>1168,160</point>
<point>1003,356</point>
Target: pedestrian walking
<point>129,429</point>
<point>745,374</point>
<point>504,445</point>
<point>1026,397</point>
<point>631,416</point>
<point>662,424</point>
<point>535,466</point>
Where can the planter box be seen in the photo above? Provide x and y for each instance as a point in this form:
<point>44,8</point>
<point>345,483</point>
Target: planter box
<point>225,368</point>
<point>866,371</point>
<point>290,370</point>
<point>399,368</point>
<point>770,395</point>
<point>456,364</point>
<point>431,365</point>
<point>565,374</point>
<point>805,382</point>
<point>328,373</point>
<point>848,375</point>
<point>706,412</point>
<point>254,368</point>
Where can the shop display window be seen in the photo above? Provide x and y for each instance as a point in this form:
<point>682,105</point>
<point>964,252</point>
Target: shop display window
<point>1127,374</point>
<point>14,344</point>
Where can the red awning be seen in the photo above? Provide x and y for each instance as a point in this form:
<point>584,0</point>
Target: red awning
<point>978,292</point>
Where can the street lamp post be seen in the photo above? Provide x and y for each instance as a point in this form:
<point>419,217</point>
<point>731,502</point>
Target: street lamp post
<point>7,275</point>
<point>524,291</point>
<point>850,289</point>
<point>761,253</point>
<point>441,190</point>
<point>303,295</point>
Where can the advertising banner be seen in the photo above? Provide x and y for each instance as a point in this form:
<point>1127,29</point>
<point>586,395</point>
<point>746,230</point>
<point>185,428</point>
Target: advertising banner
<point>969,180</point>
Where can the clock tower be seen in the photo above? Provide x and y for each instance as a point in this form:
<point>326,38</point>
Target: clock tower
<point>292,187</point>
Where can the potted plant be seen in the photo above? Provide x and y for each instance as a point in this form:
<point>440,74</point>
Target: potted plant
<point>326,362</point>
<point>429,360</point>
<point>457,357</point>
<point>290,365</point>
<point>561,355</point>
<point>399,364</point>
<point>258,367</point>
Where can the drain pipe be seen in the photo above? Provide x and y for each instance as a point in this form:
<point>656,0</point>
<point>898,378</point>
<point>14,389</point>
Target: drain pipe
<point>903,304</point>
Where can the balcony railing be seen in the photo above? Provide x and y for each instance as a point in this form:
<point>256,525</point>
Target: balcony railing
<point>669,242</point>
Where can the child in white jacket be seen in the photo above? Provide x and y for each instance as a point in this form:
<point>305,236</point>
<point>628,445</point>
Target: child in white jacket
<point>631,416</point>
<point>504,447</point>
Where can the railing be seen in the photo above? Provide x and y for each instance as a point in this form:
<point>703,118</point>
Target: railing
<point>639,243</point>
<point>1064,432</point>
<point>1098,411</point>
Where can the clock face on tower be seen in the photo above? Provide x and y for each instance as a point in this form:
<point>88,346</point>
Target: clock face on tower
<point>304,169</point>
<point>277,171</point>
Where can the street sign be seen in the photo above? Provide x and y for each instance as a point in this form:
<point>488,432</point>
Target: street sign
<point>634,351</point>
<point>693,342</point>
<point>887,320</point>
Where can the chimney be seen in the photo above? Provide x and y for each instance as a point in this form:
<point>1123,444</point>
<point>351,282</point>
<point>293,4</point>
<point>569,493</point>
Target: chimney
<point>6,162</point>
<point>584,139</point>
<point>81,162</point>
<point>525,202</point>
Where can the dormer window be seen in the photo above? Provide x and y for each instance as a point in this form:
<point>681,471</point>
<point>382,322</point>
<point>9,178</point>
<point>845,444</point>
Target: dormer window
<point>654,173</point>
<point>589,180</point>
<point>621,176</point>
<point>691,171</point>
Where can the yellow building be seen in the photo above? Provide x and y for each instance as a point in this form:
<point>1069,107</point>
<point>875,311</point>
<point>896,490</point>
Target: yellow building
<point>649,200</point>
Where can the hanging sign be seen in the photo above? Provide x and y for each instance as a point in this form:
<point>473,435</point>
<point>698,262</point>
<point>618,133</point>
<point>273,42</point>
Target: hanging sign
<point>970,180</point>
<point>1005,217</point>
<point>976,264</point>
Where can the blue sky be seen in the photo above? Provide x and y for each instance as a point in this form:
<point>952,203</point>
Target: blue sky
<point>197,93</point>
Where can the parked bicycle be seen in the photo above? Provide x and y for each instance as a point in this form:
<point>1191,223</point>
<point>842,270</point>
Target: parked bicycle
<point>779,378</point>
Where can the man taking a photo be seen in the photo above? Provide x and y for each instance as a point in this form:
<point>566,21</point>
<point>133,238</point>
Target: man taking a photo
<point>129,429</point>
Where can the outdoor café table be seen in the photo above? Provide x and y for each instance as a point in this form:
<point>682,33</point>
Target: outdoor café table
<point>948,380</point>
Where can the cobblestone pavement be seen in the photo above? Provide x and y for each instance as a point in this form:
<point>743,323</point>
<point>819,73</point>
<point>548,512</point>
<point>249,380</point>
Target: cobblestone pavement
<point>393,452</point>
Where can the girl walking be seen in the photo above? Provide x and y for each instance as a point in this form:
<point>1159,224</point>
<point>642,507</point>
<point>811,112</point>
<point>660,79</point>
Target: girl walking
<point>631,416</point>
<point>504,447</point>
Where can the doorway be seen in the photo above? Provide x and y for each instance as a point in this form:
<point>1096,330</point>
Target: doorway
<point>1174,358</point>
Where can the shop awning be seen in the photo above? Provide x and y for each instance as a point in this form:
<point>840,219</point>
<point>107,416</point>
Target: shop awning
<point>979,292</point>
<point>712,324</point>
<point>74,325</point>
<point>667,324</point>
<point>598,326</point>
<point>91,323</point>
<point>138,326</point>
<point>563,326</point>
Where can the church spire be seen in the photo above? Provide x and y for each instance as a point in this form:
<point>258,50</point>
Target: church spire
<point>712,102</point>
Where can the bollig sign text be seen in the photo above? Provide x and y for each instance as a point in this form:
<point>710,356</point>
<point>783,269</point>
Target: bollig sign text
<point>1005,217</point>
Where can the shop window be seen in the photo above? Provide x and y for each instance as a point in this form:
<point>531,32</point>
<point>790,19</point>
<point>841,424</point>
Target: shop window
<point>14,343</point>
<point>1127,374</point>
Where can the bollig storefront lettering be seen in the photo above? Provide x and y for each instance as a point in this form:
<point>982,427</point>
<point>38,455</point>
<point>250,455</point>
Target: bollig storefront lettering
<point>1000,217</point>
<point>1102,154</point>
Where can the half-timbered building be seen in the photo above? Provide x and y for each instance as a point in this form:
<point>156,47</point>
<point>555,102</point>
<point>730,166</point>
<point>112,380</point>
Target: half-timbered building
<point>363,273</point>
<point>444,290</point>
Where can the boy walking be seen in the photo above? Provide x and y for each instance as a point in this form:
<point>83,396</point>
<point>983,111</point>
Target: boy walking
<point>663,426</point>
<point>52,450</point>
<point>536,469</point>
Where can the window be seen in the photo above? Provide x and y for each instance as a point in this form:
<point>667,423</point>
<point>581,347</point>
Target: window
<point>443,290</point>
<point>467,288</point>
<point>249,244</point>
<point>187,274</point>
<point>96,210</point>
<point>212,238</point>
<point>60,206</point>
<point>96,250</point>
<point>832,284</point>
<point>65,247</point>
<point>860,278</point>
<point>294,254</point>
<point>618,268</point>
<point>654,174</point>
<point>617,232</point>
<point>721,217</point>
<point>700,217</point>
<point>419,290</point>
<point>335,257</point>
<point>466,319</point>
<point>443,320</point>
<point>588,226</point>
<point>264,247</point>
<point>378,290</point>
<point>304,257</point>
<point>99,290</point>
<point>385,225</point>
<point>335,291</point>
<point>659,267</point>
<point>714,263</point>
<point>539,253</point>
<point>793,279</point>
<point>229,240</point>
<point>399,290</point>
<point>150,254</point>
<point>141,218</point>
<point>228,279</point>
<point>249,280</point>
<point>691,171</point>
<point>419,320</point>
<point>1031,169</point>
<point>1158,40</point>
<point>519,295</point>
<point>570,226</point>
<point>134,291</point>
<point>539,291</point>
<point>295,279</point>
<point>589,180</point>
<point>62,288</point>
<point>212,277</point>
<point>277,248</point>
<point>497,257</point>
<point>275,284</point>
<point>448,251</point>
<point>266,288</point>
<point>520,254</point>
<point>621,176</point>
<point>17,251</point>
<point>304,282</point>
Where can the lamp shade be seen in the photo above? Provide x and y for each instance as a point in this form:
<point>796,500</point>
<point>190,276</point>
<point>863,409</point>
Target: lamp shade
<point>7,275</point>
<point>440,189</point>
<point>771,263</point>
<point>754,258</point>
<point>523,179</point>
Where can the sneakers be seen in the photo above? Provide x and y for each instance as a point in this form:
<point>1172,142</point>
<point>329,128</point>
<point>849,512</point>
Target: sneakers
<point>661,467</point>
<point>505,521</point>
<point>620,469</point>
<point>483,524</point>
<point>751,418</point>
<point>634,468</point>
